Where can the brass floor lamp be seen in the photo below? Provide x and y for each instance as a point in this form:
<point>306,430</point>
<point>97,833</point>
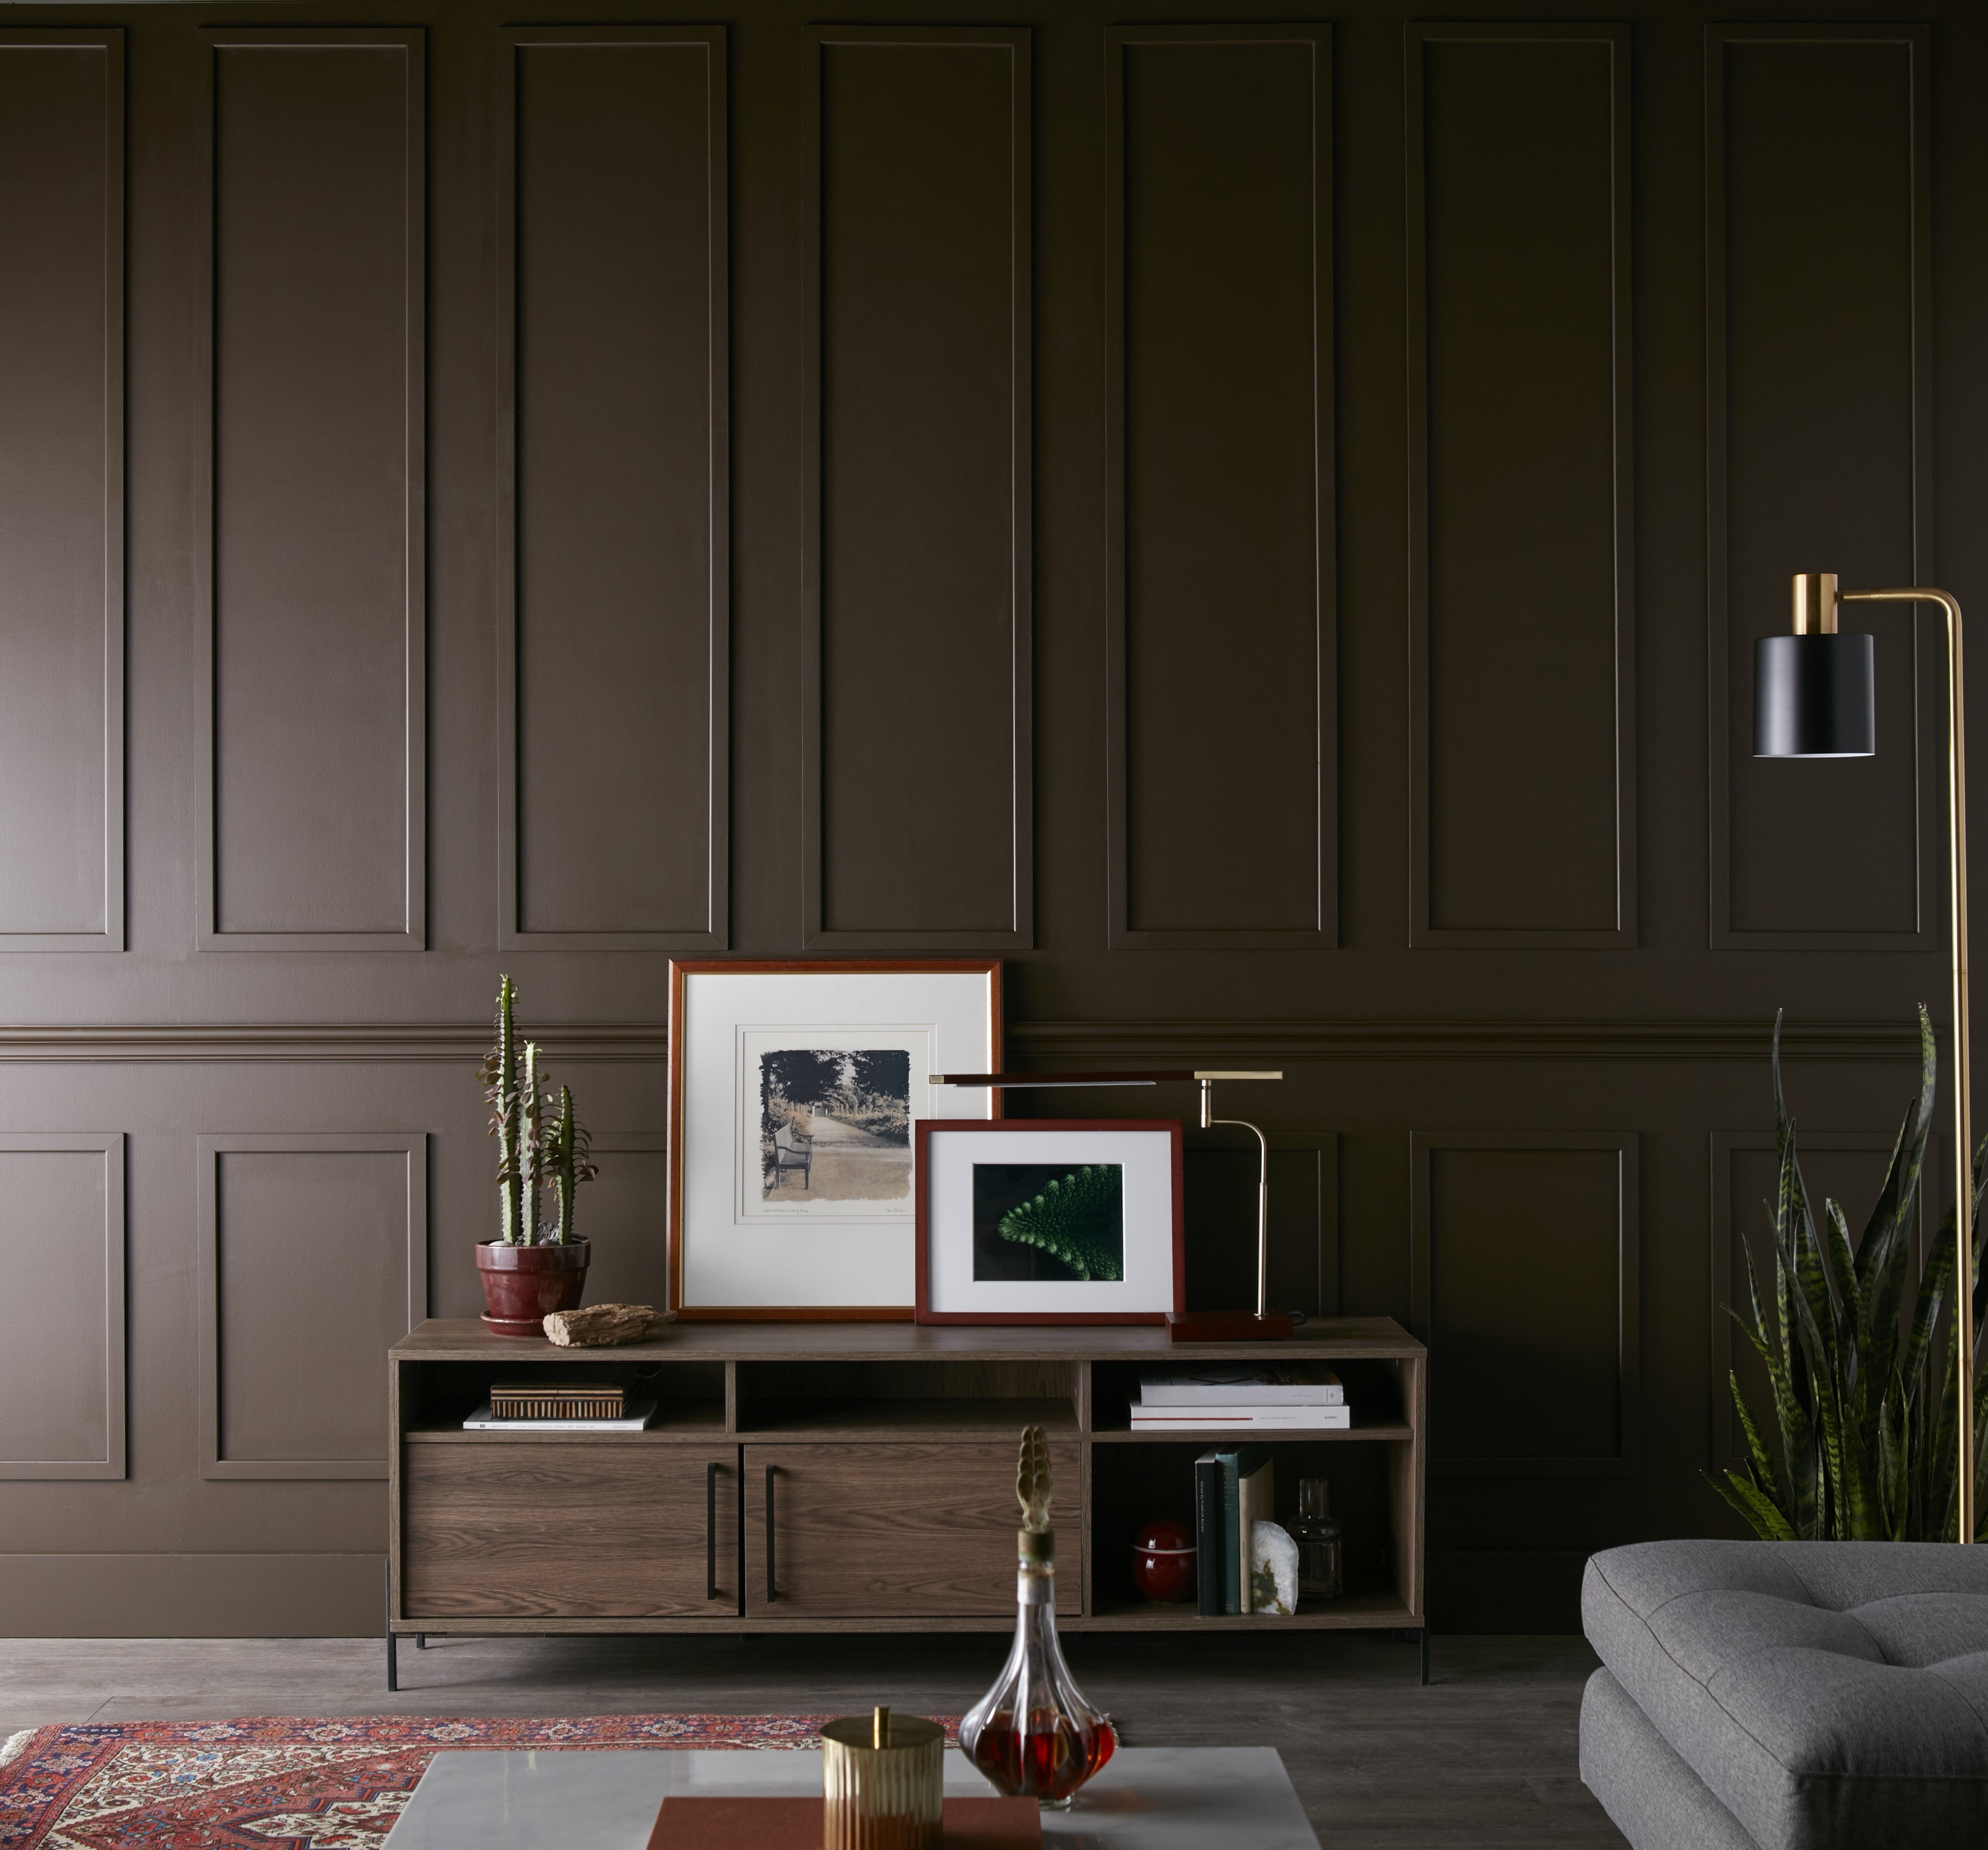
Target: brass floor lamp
<point>1814,697</point>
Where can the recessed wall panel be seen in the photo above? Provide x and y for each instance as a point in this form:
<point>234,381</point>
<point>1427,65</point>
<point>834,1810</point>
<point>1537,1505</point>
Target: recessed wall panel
<point>62,1318</point>
<point>1524,1380</point>
<point>316,708</point>
<point>1221,760</point>
<point>614,829</point>
<point>1818,426</point>
<point>321,1232</point>
<point>919,813</point>
<point>62,490</point>
<point>1522,641</point>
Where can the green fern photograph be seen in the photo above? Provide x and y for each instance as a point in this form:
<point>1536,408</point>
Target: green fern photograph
<point>1048,1222</point>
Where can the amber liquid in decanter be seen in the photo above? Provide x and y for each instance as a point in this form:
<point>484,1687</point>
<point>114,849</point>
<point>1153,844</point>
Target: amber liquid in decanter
<point>1034,1735</point>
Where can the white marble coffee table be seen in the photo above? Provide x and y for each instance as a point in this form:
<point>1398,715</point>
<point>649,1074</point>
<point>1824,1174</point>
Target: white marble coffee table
<point>1148,1798</point>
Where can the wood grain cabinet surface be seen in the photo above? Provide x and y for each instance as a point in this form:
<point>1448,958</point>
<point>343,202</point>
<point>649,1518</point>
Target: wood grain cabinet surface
<point>859,1478</point>
<point>861,1531</point>
<point>513,1531</point>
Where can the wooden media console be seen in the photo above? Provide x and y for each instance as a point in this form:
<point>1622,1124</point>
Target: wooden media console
<point>859,1477</point>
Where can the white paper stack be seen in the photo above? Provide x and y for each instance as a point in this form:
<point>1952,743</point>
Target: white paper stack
<point>1240,1398</point>
<point>639,1415</point>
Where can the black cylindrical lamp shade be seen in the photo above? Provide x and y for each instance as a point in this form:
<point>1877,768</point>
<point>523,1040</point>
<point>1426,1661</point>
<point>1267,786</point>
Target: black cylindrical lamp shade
<point>1814,697</point>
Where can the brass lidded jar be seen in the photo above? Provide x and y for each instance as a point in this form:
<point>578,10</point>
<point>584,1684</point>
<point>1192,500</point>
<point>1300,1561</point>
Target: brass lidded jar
<point>883,1780</point>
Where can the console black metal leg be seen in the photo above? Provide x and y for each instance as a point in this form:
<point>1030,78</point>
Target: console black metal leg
<point>392,1643</point>
<point>421,1641</point>
<point>1422,1641</point>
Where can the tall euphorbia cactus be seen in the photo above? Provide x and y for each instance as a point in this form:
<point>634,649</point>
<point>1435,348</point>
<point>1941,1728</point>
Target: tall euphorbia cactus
<point>530,1154</point>
<point>568,1149</point>
<point>507,1117</point>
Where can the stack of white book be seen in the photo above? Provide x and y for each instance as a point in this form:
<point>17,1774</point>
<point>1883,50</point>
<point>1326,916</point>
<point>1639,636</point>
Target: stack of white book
<point>1242,1398</point>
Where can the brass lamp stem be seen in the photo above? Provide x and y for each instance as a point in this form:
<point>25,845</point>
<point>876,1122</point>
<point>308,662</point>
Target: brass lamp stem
<point>1963,1153</point>
<point>1208,1120</point>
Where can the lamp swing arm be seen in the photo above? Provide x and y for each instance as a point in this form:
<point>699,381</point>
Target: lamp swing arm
<point>1956,798</point>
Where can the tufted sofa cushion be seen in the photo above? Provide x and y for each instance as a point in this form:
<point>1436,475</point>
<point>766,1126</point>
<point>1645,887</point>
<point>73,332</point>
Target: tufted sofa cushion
<point>1831,1694</point>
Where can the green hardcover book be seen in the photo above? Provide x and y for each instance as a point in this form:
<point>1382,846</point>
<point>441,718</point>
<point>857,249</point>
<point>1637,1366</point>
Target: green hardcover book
<point>1235,1462</point>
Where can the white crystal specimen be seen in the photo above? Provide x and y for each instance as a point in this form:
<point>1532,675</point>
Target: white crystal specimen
<point>1273,1570</point>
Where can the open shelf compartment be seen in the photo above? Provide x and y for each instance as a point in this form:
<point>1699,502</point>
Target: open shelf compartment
<point>921,1397</point>
<point>438,1396</point>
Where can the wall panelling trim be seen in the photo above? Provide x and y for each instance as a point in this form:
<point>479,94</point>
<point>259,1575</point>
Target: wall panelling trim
<point>62,1323</point>
<point>613,382</point>
<point>1525,1383</point>
<point>1239,1040</point>
<point>1221,752</point>
<point>62,490</point>
<point>217,1595</point>
<point>1521,552</point>
<point>326,1231</point>
<point>917,556</point>
<point>1819,458</point>
<point>313,711</point>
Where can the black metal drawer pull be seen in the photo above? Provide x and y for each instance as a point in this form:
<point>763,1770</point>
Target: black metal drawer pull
<point>772,1594</point>
<point>711,1530</point>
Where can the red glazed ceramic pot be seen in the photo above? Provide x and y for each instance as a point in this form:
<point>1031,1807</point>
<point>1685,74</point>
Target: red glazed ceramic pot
<point>1163,1560</point>
<point>523,1286</point>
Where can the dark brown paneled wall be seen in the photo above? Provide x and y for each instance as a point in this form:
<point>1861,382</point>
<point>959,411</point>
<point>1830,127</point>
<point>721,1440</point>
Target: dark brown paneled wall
<point>918,494</point>
<point>1521,507</point>
<point>614,781</point>
<point>62,490</point>
<point>1221,768</point>
<point>1263,525</point>
<point>314,718</point>
<point>1819,424</point>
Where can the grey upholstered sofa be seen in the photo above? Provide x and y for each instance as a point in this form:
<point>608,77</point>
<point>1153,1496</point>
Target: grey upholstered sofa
<point>1790,1695</point>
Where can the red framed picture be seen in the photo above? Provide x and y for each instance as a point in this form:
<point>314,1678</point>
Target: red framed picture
<point>1048,1220</point>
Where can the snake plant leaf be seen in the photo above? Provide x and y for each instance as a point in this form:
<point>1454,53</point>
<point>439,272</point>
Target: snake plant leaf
<point>1075,1219</point>
<point>1753,1503</point>
<point>1757,1454</point>
<point>1865,1414</point>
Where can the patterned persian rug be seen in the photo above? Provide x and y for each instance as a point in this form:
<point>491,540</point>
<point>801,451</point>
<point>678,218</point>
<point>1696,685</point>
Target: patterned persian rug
<point>290,1782</point>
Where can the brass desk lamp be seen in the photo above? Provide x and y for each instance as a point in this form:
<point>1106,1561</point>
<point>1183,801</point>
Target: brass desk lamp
<point>1814,697</point>
<point>1185,1326</point>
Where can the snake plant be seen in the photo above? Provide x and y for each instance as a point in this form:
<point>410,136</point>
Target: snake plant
<point>1863,1406</point>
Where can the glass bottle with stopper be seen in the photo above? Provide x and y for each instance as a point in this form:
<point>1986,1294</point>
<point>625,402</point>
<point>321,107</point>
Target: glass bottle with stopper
<point>1321,1544</point>
<point>1033,1734</point>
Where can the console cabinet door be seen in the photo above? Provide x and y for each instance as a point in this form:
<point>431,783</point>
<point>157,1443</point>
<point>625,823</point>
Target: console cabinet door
<point>509,1530</point>
<point>896,1531</point>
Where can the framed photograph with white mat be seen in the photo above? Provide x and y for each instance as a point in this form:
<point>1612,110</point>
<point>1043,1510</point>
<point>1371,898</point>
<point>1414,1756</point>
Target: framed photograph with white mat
<point>793,1089</point>
<point>1048,1220</point>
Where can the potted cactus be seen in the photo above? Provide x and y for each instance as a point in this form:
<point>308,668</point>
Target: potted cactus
<point>531,1268</point>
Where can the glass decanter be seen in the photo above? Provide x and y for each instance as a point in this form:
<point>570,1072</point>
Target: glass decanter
<point>1033,1734</point>
<point>1321,1542</point>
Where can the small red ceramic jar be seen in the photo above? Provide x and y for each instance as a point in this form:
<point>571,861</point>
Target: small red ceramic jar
<point>1163,1558</point>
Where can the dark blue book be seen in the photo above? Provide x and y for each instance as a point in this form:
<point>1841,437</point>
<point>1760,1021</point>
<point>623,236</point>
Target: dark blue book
<point>1207,1536</point>
<point>1234,1463</point>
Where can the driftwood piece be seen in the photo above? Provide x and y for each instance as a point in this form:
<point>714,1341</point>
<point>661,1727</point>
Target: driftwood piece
<point>600,1325</point>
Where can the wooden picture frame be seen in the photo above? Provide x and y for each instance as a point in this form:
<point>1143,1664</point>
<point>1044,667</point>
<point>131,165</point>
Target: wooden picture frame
<point>811,1234</point>
<point>953,1243</point>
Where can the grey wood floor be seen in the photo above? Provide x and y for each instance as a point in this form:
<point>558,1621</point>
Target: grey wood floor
<point>1484,1757</point>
